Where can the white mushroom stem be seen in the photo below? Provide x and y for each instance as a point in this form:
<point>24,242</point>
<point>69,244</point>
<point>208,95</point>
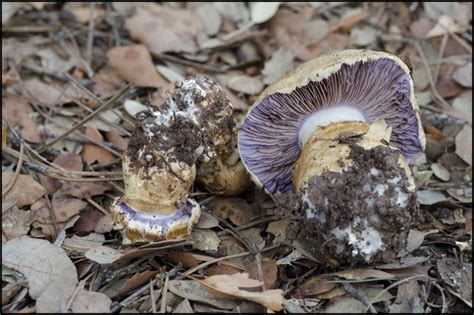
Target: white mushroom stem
<point>325,117</point>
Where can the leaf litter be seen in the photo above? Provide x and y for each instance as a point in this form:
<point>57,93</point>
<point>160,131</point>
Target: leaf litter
<point>56,212</point>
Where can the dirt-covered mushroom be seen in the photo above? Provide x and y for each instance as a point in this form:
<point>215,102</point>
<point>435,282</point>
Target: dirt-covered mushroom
<point>192,130</point>
<point>336,132</point>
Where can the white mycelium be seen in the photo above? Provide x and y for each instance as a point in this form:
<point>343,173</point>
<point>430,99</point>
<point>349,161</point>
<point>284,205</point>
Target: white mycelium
<point>365,239</point>
<point>325,117</point>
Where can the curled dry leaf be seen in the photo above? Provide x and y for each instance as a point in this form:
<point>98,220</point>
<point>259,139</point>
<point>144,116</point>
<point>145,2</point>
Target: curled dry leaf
<point>25,191</point>
<point>232,284</point>
<point>42,263</point>
<point>148,23</point>
<point>134,64</point>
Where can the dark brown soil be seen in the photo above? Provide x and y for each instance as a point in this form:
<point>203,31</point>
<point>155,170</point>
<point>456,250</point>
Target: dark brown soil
<point>346,200</point>
<point>180,138</point>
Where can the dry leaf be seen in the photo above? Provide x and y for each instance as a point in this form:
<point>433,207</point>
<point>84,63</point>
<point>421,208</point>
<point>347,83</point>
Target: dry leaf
<point>458,276</point>
<point>17,111</point>
<point>232,284</point>
<point>91,302</point>
<point>270,273</point>
<point>464,144</point>
<point>47,94</point>
<point>362,274</point>
<point>185,258</point>
<point>103,255</point>
<point>440,171</point>
<point>263,11</point>
<point>210,18</point>
<point>104,224</point>
<point>414,240</point>
<point>463,75</point>
<point>82,190</point>
<point>148,23</point>
<point>236,209</point>
<point>16,222</point>
<point>315,31</point>
<point>315,285</point>
<point>204,239</point>
<point>445,25</point>
<point>92,152</point>
<point>170,74</point>
<point>133,107</point>
<point>345,305</point>
<point>463,102</point>
<point>364,36</point>
<point>280,62</point>
<point>114,138</point>
<point>63,209</point>
<point>429,197</point>
<point>183,307</point>
<point>42,263</point>
<point>134,64</point>
<point>206,221</point>
<point>195,291</point>
<point>221,270</point>
<point>245,84</point>
<point>54,298</point>
<point>25,191</point>
<point>406,294</point>
<point>84,243</point>
<point>136,281</point>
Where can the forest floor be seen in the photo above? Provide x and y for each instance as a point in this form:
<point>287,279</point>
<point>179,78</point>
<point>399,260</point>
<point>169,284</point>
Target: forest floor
<point>68,113</point>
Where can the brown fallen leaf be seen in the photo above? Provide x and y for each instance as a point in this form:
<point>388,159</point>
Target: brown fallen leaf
<point>406,293</point>
<point>464,144</point>
<point>42,263</point>
<point>148,23</point>
<point>315,285</point>
<point>103,255</point>
<point>63,209</point>
<point>414,240</point>
<point>50,95</point>
<point>115,138</point>
<point>88,220</point>
<point>463,75</point>
<point>458,277</point>
<point>236,209</point>
<point>92,153</point>
<point>71,162</point>
<point>232,284</point>
<point>220,270</point>
<point>106,82</point>
<point>270,273</point>
<point>134,64</point>
<point>280,62</point>
<point>15,222</point>
<point>185,258</point>
<point>205,239</point>
<point>25,191</point>
<point>82,190</point>
<point>245,84</point>
<point>17,111</point>
<point>136,281</point>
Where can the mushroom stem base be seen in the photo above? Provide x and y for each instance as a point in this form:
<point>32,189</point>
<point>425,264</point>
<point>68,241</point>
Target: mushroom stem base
<point>137,226</point>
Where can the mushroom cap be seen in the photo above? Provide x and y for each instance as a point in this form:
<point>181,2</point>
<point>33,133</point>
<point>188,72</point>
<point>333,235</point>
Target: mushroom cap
<point>376,84</point>
<point>137,226</point>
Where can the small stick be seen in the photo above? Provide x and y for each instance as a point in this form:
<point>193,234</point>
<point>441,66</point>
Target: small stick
<point>361,296</point>
<point>164,294</point>
<point>90,36</point>
<point>17,171</point>
<point>152,297</point>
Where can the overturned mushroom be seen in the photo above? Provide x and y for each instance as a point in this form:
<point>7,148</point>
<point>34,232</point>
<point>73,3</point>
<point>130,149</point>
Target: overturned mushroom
<point>190,135</point>
<point>335,132</point>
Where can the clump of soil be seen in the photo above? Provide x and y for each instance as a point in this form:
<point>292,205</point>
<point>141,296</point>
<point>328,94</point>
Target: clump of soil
<point>184,128</point>
<point>368,201</point>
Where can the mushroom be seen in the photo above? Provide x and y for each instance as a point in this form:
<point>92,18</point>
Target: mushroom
<point>335,133</point>
<point>171,145</point>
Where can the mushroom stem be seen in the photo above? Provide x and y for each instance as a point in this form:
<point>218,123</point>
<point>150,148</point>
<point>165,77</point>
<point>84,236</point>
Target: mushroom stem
<point>326,116</point>
<point>356,187</point>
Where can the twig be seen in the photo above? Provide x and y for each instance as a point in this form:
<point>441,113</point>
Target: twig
<point>444,309</point>
<point>210,262</point>
<point>17,171</point>
<point>97,206</point>
<point>164,295</point>
<point>251,224</point>
<point>361,296</point>
<point>393,285</point>
<point>152,297</point>
<point>440,55</point>
<point>90,35</point>
<point>87,118</point>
